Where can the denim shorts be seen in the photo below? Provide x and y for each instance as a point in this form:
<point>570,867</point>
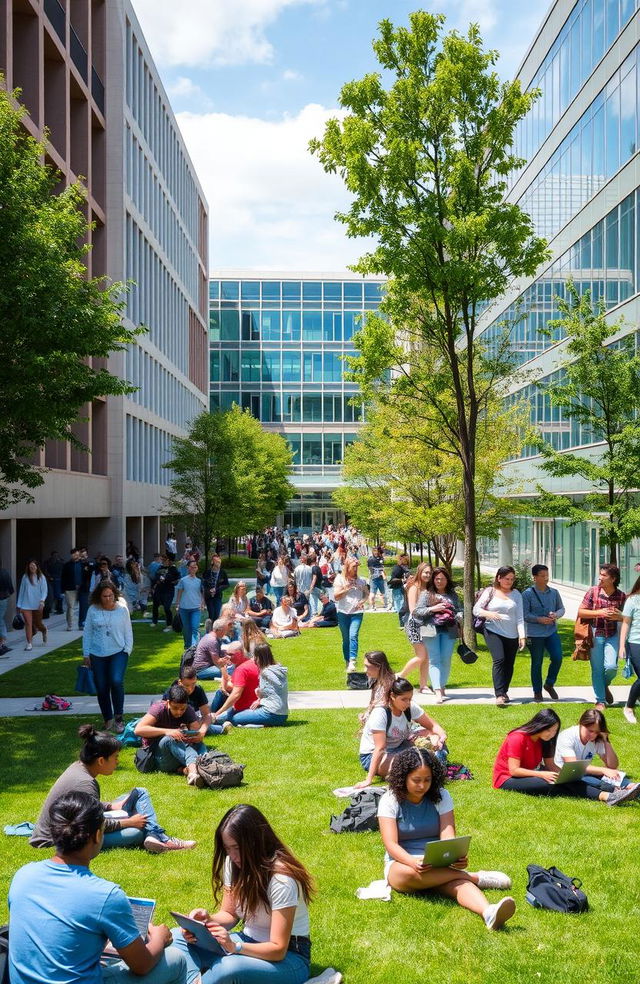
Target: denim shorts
<point>365,760</point>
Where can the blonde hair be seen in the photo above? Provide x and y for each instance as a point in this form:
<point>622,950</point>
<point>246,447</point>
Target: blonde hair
<point>252,636</point>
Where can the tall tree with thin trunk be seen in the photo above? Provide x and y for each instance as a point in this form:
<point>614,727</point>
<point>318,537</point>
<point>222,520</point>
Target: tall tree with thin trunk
<point>426,153</point>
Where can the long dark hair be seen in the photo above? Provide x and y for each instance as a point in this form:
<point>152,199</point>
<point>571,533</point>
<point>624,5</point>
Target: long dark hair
<point>262,656</point>
<point>592,717</point>
<point>430,586</point>
<point>262,854</point>
<point>96,744</point>
<point>502,572</point>
<point>546,718</point>
<point>386,676</point>
<point>38,573</point>
<point>73,820</point>
<point>399,686</point>
<point>408,761</point>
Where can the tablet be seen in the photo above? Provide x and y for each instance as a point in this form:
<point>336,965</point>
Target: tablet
<point>199,930</point>
<point>441,853</point>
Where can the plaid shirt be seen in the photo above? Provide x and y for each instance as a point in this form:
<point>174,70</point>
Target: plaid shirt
<point>596,598</point>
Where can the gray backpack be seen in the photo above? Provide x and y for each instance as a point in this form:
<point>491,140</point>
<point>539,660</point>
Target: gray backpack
<point>361,815</point>
<point>218,770</point>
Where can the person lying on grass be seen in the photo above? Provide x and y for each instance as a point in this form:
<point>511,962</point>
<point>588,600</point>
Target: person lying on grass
<point>171,728</point>
<point>62,915</point>
<point>417,809</point>
<point>258,880</point>
<point>99,757</point>
<point>532,745</point>
<point>389,730</point>
<point>586,739</point>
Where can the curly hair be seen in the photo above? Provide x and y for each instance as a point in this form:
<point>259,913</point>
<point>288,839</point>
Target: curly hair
<point>408,761</point>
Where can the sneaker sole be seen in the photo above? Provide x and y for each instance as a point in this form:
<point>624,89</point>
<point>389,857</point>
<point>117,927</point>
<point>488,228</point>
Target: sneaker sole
<point>506,909</point>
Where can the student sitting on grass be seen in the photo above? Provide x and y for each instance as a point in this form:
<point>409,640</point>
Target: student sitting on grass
<point>417,809</point>
<point>99,757</point>
<point>62,915</point>
<point>525,749</point>
<point>586,739</point>
<point>284,622</point>
<point>238,693</point>
<point>271,708</point>
<point>382,677</point>
<point>261,609</point>
<point>327,617</point>
<point>389,728</point>
<point>165,728</point>
<point>256,880</point>
<point>197,699</point>
<point>209,651</point>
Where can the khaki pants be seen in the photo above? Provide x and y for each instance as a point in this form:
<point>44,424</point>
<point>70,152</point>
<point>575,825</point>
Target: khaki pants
<point>70,597</point>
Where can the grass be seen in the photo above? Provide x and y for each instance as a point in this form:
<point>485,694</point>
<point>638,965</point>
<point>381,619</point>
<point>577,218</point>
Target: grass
<point>314,659</point>
<point>289,775</point>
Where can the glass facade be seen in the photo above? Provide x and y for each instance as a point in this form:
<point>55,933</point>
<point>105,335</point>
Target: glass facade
<point>277,348</point>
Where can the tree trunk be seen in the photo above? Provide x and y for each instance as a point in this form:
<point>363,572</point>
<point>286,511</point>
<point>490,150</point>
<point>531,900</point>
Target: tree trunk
<point>469,555</point>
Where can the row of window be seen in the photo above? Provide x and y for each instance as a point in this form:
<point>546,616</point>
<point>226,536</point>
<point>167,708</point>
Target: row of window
<point>159,390</point>
<point>604,139</point>
<point>587,34</point>
<point>319,449</point>
<point>147,107</point>
<point>283,326</point>
<point>147,449</point>
<point>353,291</point>
<point>145,190</point>
<point>277,408</point>
<point>603,261</point>
<point>254,366</point>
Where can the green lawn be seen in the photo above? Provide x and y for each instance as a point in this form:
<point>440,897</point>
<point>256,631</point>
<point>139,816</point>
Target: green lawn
<point>314,659</point>
<point>289,775</point>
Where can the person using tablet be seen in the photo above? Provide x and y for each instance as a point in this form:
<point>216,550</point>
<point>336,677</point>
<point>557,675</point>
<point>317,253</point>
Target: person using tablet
<point>417,809</point>
<point>582,743</point>
<point>61,915</point>
<point>533,744</point>
<point>259,881</point>
<point>388,728</point>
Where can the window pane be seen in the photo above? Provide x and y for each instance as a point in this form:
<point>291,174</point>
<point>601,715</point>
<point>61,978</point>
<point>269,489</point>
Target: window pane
<point>312,326</point>
<point>312,449</point>
<point>214,367</point>
<point>229,326</point>
<point>311,291</point>
<point>270,290</point>
<point>250,290</point>
<point>270,326</point>
<point>291,326</point>
<point>230,290</point>
<point>291,290</point>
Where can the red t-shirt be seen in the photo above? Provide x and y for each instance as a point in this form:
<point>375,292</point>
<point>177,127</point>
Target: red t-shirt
<point>246,675</point>
<point>516,745</point>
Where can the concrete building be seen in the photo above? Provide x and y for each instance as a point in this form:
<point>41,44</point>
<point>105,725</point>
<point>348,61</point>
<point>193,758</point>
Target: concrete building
<point>581,185</point>
<point>87,75</point>
<point>276,347</point>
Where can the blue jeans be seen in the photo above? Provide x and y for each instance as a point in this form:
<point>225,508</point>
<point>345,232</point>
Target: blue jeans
<point>259,716</point>
<point>378,584</point>
<point>108,673</point>
<point>3,625</point>
<point>224,968</point>
<point>209,673</point>
<point>397,597</point>
<point>537,645</point>
<point>83,607</point>
<point>277,593</point>
<point>138,801</point>
<point>172,755</point>
<point>349,626</point>
<point>604,664</point>
<point>603,784</point>
<point>170,969</point>
<point>190,625</point>
<point>440,649</point>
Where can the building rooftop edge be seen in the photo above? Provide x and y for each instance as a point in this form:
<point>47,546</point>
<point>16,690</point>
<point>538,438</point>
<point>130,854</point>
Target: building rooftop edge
<point>262,274</point>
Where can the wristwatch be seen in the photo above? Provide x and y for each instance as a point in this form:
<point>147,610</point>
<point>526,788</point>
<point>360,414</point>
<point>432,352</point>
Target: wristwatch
<point>238,946</point>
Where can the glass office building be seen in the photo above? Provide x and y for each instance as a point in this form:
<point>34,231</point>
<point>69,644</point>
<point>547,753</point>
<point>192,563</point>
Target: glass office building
<point>581,185</point>
<point>277,343</point>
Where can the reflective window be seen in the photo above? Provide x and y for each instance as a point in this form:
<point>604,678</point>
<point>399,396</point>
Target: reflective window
<point>230,290</point>
<point>291,290</point>
<point>250,290</point>
<point>270,290</point>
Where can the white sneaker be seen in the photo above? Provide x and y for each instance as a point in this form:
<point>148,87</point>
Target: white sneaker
<point>155,846</point>
<point>328,976</point>
<point>226,727</point>
<point>496,915</point>
<point>169,628</point>
<point>351,666</point>
<point>28,647</point>
<point>493,879</point>
<point>629,715</point>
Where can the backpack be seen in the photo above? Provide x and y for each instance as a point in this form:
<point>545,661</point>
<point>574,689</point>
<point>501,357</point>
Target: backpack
<point>478,620</point>
<point>361,815</point>
<point>550,888</point>
<point>358,681</point>
<point>144,760</point>
<point>54,703</point>
<point>4,954</point>
<point>188,657</point>
<point>218,770</point>
<point>406,712</point>
<point>129,738</point>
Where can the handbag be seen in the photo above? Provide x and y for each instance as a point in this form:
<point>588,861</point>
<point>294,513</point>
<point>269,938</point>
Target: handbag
<point>176,625</point>
<point>583,636</point>
<point>479,621</point>
<point>85,683</point>
<point>18,622</point>
<point>358,681</point>
<point>428,631</point>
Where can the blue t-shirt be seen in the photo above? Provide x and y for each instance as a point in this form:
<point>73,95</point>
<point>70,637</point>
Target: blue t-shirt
<point>418,823</point>
<point>191,588</point>
<point>60,919</point>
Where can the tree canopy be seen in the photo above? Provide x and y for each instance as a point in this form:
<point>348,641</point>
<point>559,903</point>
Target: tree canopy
<point>54,320</point>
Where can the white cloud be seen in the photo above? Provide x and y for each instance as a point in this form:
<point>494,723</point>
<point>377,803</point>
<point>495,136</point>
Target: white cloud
<point>205,32</point>
<point>271,204</point>
<point>289,75</point>
<point>184,88</point>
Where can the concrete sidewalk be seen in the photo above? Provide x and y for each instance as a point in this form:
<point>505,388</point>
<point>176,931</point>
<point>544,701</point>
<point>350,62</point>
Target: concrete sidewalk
<point>314,700</point>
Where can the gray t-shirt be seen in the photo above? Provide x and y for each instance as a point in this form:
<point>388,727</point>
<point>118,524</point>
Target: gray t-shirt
<point>274,689</point>
<point>75,779</point>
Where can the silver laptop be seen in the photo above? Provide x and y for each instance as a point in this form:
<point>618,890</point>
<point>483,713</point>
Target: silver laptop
<point>440,854</point>
<point>571,771</point>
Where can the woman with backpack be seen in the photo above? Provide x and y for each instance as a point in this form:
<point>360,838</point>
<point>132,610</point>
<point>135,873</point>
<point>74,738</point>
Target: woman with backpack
<point>438,610</point>
<point>500,608</point>
<point>99,757</point>
<point>389,730</point>
<point>259,881</point>
<point>417,809</point>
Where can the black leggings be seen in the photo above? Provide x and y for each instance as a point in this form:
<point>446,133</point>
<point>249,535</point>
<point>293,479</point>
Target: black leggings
<point>166,604</point>
<point>534,786</point>
<point>503,654</point>
<point>634,657</point>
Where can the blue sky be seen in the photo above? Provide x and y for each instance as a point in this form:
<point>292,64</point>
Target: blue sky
<point>252,80</point>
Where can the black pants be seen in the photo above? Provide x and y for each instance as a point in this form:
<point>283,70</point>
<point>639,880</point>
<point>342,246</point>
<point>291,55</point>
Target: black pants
<point>214,606</point>
<point>634,657</point>
<point>166,604</point>
<point>540,787</point>
<point>503,653</point>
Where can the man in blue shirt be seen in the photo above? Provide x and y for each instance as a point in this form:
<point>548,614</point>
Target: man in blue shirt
<point>542,607</point>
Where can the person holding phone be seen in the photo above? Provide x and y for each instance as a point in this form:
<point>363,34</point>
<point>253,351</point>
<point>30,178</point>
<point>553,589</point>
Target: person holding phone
<point>417,809</point>
<point>258,880</point>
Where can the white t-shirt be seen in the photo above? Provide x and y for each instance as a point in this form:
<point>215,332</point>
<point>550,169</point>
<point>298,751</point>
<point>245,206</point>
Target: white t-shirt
<point>349,604</point>
<point>398,731</point>
<point>569,744</point>
<point>283,893</point>
<point>282,619</point>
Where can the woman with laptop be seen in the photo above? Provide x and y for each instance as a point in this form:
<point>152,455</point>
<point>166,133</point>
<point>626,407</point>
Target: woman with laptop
<point>526,764</point>
<point>418,830</point>
<point>585,741</point>
<point>257,880</point>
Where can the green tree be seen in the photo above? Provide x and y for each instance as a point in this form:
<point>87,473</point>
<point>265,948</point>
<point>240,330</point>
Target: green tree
<point>54,321</point>
<point>230,476</point>
<point>427,161</point>
<point>599,389</point>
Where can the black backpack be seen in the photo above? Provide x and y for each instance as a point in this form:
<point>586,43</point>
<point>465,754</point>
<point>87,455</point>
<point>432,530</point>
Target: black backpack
<point>358,681</point>
<point>406,712</point>
<point>361,815</point>
<point>550,888</point>
<point>188,657</point>
<point>4,954</point>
